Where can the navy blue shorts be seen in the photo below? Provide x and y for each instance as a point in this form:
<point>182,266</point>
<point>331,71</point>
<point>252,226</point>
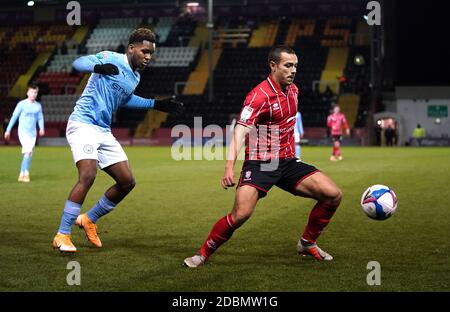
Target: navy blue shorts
<point>287,174</point>
<point>337,138</point>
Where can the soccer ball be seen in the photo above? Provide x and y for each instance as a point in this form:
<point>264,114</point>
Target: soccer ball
<point>379,202</point>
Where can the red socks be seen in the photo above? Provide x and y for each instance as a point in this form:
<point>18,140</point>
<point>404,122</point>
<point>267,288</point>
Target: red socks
<point>336,149</point>
<point>224,228</point>
<point>318,219</point>
<point>220,233</point>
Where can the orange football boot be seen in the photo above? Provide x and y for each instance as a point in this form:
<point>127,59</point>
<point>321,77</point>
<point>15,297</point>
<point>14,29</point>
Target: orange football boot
<point>90,228</point>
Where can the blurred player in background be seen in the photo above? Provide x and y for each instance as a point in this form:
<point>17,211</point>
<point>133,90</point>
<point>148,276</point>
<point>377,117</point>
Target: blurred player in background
<point>269,115</point>
<point>28,112</point>
<point>111,85</point>
<point>335,122</point>
<point>298,133</point>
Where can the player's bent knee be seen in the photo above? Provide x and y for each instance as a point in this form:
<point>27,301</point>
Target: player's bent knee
<point>241,214</point>
<point>87,179</point>
<point>132,184</point>
<point>246,199</point>
<point>128,186</point>
<point>240,218</point>
<point>335,195</point>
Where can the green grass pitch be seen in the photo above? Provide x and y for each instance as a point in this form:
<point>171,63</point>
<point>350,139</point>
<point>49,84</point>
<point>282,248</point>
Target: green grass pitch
<point>174,205</point>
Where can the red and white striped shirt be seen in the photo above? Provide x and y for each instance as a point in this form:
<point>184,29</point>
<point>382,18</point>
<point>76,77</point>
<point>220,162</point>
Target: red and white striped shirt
<point>271,114</point>
<point>335,122</point>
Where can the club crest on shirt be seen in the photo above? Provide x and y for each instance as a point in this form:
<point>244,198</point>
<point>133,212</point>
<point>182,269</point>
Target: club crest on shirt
<point>88,149</point>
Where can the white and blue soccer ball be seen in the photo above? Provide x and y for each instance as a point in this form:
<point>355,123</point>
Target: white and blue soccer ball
<point>379,202</point>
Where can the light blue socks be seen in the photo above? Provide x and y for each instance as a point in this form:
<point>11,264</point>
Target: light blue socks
<point>103,207</point>
<point>71,212</point>
<point>25,167</point>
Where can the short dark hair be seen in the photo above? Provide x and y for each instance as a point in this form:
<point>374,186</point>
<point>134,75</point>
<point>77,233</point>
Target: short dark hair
<point>140,35</point>
<point>33,86</point>
<point>275,53</point>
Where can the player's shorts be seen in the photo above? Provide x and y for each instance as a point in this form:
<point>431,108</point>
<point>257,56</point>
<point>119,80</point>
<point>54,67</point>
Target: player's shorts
<point>297,138</point>
<point>337,138</point>
<point>286,175</point>
<point>28,142</point>
<point>93,142</point>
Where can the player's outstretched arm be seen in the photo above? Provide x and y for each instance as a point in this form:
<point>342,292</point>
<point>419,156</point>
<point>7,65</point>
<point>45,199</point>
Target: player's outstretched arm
<point>138,102</point>
<point>91,64</point>
<point>170,105</point>
<point>237,141</point>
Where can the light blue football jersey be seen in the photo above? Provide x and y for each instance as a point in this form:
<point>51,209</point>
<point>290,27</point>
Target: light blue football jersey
<point>28,114</point>
<point>104,94</point>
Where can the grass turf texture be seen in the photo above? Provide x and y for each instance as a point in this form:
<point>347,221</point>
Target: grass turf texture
<point>174,205</point>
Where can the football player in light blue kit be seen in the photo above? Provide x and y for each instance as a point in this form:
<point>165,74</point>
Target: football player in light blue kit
<point>111,85</point>
<point>28,112</point>
<point>298,133</point>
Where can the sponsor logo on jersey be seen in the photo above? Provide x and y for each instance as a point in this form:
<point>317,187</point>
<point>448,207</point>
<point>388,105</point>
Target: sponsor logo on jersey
<point>121,91</point>
<point>285,130</point>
